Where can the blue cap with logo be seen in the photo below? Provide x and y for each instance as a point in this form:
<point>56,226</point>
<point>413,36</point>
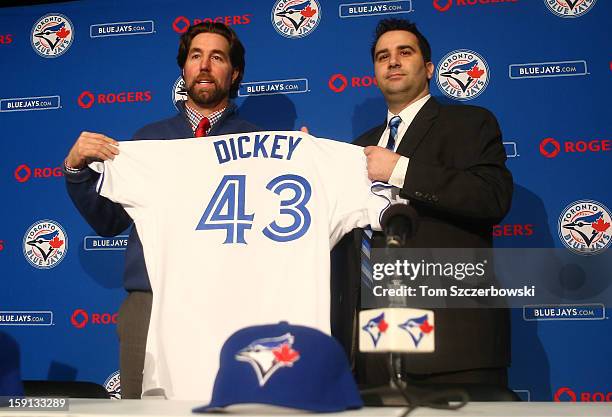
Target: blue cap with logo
<point>284,365</point>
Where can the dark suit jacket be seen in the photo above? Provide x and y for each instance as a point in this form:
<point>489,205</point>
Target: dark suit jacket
<point>459,185</point>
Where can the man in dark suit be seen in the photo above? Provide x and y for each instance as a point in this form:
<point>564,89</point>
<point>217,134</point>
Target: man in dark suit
<point>449,163</point>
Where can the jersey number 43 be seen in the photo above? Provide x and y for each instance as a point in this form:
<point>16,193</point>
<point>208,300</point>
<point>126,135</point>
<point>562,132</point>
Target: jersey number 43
<point>227,209</point>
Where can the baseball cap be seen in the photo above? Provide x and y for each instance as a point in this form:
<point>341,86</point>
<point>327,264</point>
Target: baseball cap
<point>284,365</point>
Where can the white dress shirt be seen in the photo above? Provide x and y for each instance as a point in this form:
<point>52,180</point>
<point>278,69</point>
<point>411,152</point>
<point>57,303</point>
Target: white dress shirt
<point>407,115</point>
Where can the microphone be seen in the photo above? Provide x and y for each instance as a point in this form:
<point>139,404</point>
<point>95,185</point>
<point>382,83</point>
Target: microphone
<point>399,223</point>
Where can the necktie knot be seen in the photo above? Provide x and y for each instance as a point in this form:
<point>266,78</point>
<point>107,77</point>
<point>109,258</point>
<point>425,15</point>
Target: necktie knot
<point>395,122</point>
<point>202,128</point>
<point>393,125</point>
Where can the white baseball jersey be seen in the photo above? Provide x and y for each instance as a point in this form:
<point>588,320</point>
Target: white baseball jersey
<point>236,231</point>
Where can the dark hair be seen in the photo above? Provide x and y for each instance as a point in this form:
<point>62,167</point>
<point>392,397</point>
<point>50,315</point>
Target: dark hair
<point>236,54</point>
<point>387,25</point>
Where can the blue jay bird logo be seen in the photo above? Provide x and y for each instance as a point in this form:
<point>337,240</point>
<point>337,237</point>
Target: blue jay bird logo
<point>268,355</point>
<point>417,328</point>
<point>462,74</point>
<point>295,18</point>
<point>588,227</point>
<point>45,244</point>
<point>297,13</point>
<point>52,35</point>
<point>569,8</point>
<point>376,327</point>
<point>584,227</point>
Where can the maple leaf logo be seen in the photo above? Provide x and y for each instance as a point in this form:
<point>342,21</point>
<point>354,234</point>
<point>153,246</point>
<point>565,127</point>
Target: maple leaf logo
<point>56,243</point>
<point>426,327</point>
<point>600,225</point>
<point>286,355</point>
<point>62,33</point>
<point>475,72</point>
<point>383,326</point>
<point>308,12</point>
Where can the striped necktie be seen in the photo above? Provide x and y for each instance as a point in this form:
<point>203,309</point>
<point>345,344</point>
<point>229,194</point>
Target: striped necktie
<point>393,125</point>
<point>366,264</point>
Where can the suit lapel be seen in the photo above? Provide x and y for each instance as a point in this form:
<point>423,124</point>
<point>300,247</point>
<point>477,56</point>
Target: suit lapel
<point>371,138</point>
<point>419,127</point>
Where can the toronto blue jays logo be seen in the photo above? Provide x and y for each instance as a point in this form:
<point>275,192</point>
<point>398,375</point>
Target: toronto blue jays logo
<point>268,355</point>
<point>45,244</point>
<point>113,385</point>
<point>570,8</point>
<point>417,328</point>
<point>296,18</point>
<point>584,227</point>
<point>462,74</point>
<point>52,35</point>
<point>376,327</point>
<point>179,92</point>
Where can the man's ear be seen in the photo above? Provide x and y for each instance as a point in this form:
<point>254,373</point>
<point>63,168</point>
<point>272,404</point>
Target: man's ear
<point>430,67</point>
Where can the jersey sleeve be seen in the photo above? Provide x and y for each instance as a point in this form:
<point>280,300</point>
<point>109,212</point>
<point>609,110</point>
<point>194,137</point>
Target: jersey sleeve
<point>131,178</point>
<point>354,200</point>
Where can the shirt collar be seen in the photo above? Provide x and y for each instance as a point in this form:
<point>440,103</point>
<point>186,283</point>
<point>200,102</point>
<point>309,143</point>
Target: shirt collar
<point>195,117</point>
<point>409,113</point>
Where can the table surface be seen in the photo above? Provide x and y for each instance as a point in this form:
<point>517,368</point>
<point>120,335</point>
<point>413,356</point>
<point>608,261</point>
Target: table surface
<point>159,407</point>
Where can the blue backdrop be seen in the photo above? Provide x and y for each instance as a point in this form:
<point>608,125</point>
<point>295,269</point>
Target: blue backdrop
<point>542,66</point>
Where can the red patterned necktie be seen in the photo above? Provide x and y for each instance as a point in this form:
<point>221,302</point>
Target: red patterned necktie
<point>202,127</point>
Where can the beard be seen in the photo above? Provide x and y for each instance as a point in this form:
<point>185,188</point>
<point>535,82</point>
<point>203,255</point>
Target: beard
<point>207,98</point>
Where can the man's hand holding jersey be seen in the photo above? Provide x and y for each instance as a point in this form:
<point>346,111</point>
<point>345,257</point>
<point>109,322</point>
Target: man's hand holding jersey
<point>91,147</point>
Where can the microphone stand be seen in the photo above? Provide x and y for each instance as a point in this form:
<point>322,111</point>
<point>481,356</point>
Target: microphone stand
<point>394,393</point>
<point>399,224</point>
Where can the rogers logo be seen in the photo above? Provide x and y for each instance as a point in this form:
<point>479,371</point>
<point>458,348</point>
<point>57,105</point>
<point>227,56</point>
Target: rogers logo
<point>565,394</point>
<point>508,230</point>
<point>80,318</point>
<point>445,5</point>
<point>442,8</point>
<point>335,86</point>
<point>87,99</point>
<point>23,172</point>
<point>550,147</point>
<point>338,82</point>
<point>6,39</point>
<point>181,23</point>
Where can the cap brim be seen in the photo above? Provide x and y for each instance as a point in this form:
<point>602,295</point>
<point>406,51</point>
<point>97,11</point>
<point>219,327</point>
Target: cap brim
<point>209,408</point>
<point>310,408</point>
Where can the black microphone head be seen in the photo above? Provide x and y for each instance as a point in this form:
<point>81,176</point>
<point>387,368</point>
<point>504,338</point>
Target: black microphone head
<point>403,211</point>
